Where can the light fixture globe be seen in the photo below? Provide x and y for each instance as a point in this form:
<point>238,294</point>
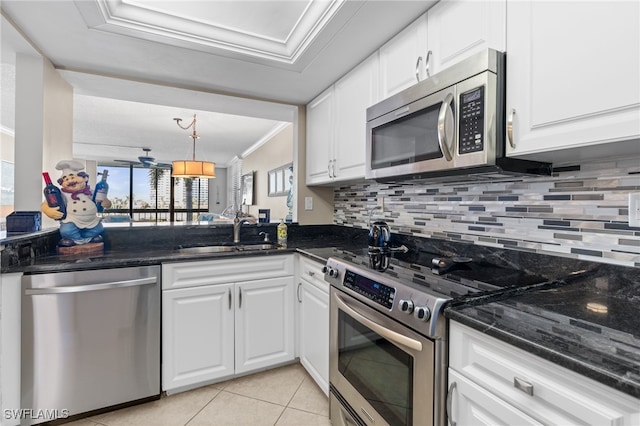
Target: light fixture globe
<point>192,168</point>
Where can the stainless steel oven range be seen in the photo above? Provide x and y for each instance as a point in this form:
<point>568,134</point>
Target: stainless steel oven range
<point>388,349</point>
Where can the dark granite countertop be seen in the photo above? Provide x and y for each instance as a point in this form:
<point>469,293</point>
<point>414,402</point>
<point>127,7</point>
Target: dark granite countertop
<point>149,245</point>
<point>557,319</point>
<point>588,324</point>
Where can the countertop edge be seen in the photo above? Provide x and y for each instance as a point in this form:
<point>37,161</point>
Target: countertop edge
<point>577,366</point>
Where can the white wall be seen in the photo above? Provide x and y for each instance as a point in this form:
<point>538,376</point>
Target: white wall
<point>44,129</point>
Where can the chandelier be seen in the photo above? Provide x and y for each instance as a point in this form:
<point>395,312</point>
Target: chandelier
<point>192,168</point>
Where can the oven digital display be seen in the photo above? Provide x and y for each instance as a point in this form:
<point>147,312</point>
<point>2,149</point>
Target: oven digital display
<point>371,289</point>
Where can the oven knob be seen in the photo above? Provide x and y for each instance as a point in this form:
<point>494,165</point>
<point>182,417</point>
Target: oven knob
<point>406,306</point>
<point>324,269</point>
<point>333,273</point>
<point>422,313</point>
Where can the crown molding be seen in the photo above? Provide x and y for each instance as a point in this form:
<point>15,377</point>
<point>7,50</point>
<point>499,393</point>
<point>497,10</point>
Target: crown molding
<point>196,33</point>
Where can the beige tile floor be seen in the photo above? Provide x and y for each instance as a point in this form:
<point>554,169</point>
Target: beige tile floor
<point>282,396</point>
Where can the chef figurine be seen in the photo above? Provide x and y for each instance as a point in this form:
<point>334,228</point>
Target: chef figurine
<point>81,225</point>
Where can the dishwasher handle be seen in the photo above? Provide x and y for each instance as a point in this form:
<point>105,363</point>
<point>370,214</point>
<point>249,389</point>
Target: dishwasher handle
<point>90,287</point>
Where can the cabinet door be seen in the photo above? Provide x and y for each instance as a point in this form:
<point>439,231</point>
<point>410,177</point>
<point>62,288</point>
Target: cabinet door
<point>473,406</point>
<point>320,138</point>
<point>399,58</point>
<point>314,333</point>
<point>572,77</point>
<point>354,94</point>
<point>458,29</point>
<point>555,395</point>
<point>197,335</point>
<point>264,323</point>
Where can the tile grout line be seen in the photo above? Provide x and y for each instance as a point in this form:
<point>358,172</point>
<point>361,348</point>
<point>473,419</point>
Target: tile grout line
<point>203,407</point>
<point>290,399</point>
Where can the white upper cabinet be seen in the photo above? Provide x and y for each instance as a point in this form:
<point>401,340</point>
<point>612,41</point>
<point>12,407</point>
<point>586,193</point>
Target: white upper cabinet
<point>458,29</point>
<point>336,126</point>
<point>354,93</point>
<point>402,58</point>
<point>320,138</point>
<point>449,32</point>
<point>573,78</point>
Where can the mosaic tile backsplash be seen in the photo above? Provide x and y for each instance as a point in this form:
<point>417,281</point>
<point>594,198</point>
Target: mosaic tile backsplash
<point>581,213</point>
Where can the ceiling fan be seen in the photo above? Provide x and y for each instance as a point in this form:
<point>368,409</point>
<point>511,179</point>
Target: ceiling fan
<point>147,161</point>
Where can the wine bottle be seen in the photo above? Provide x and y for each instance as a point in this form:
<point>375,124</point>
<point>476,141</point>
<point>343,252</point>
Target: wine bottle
<point>100,193</point>
<point>53,195</point>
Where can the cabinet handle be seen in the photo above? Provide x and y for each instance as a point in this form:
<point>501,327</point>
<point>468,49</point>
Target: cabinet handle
<point>446,127</point>
<point>452,387</point>
<point>418,68</point>
<point>239,298</point>
<point>427,64</point>
<point>311,273</point>
<point>510,128</point>
<point>230,305</point>
<point>329,168</point>
<point>333,168</point>
<point>298,293</point>
<point>523,385</point>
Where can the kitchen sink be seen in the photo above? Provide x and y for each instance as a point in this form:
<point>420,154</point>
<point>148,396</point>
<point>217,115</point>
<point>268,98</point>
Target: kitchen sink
<point>226,248</point>
<point>264,246</point>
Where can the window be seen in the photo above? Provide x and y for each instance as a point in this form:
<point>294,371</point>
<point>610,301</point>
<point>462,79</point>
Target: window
<point>152,195</point>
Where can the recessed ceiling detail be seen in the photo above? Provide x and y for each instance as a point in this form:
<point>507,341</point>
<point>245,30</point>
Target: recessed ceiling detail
<point>254,30</point>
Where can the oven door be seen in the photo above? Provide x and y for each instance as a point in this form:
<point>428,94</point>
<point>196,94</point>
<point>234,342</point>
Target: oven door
<point>383,372</point>
<point>418,137</point>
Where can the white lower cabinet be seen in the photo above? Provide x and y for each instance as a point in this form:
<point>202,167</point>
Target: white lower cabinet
<point>225,317</point>
<point>471,404</point>
<point>492,382</point>
<point>313,337</point>
<point>264,318</point>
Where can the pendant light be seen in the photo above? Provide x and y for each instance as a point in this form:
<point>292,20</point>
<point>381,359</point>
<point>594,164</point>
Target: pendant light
<point>192,168</point>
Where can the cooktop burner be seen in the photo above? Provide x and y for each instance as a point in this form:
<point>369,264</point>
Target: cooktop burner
<point>453,277</point>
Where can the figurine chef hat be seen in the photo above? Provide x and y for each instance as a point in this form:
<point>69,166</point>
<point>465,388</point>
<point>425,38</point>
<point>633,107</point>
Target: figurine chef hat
<point>69,167</point>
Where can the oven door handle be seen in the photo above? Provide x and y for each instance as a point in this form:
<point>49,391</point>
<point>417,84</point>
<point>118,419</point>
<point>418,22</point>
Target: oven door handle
<point>391,335</point>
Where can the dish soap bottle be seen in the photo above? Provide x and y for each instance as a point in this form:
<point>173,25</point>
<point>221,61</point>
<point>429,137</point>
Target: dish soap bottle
<point>282,234</point>
<point>100,193</point>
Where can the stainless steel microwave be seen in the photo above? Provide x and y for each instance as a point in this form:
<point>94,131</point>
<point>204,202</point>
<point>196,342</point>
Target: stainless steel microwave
<point>449,125</point>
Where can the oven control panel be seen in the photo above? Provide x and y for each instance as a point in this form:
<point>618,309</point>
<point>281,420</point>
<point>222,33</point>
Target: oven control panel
<point>379,293</point>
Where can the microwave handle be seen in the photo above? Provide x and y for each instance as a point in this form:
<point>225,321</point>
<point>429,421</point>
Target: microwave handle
<point>446,127</point>
<point>512,143</point>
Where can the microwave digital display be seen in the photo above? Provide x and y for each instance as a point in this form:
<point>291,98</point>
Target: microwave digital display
<point>471,131</point>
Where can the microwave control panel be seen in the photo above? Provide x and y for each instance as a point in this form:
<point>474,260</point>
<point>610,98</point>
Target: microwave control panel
<point>471,132</point>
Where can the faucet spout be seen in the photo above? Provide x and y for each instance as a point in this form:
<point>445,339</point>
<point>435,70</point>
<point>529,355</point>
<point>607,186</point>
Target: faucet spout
<point>237,224</point>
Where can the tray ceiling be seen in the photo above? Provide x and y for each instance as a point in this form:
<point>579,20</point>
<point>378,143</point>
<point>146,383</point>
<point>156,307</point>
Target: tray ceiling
<point>251,58</point>
<point>278,31</point>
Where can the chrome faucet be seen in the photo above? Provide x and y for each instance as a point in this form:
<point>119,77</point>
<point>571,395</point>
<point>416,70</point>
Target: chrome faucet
<point>237,223</point>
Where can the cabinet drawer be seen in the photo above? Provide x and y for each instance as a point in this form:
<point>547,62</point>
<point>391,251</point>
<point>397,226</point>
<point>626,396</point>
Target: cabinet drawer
<point>545,391</point>
<point>218,271</point>
<point>311,271</point>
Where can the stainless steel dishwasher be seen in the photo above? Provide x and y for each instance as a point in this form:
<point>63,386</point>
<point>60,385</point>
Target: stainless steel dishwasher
<point>90,340</point>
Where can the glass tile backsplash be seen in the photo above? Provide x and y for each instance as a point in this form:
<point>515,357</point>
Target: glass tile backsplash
<point>575,213</point>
